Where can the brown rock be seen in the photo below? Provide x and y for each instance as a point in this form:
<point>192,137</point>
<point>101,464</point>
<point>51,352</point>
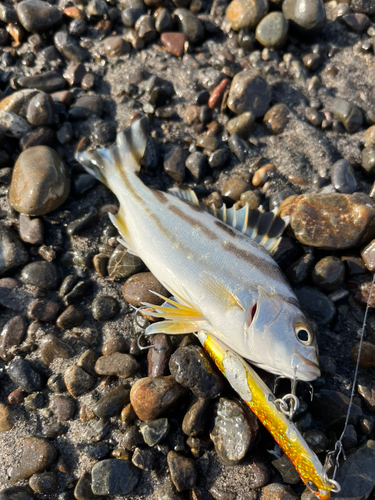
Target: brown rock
<point>77,381</point>
<point>31,230</point>
<point>233,189</point>
<point>52,348</point>
<point>16,397</point>
<point>112,346</point>
<point>331,221</point>
<point>63,407</point>
<point>182,469</point>
<point>115,46</point>
<point>43,310</point>
<point>71,317</point>
<point>262,174</point>
<point>6,418</point>
<point>367,359</point>
<point>246,13</point>
<point>118,364</point>
<point>174,43</point>
<point>137,289</point>
<point>195,418</point>
<point>217,94</point>
<point>368,255</point>
<point>40,182</point>
<point>128,414</point>
<point>37,455</point>
<point>152,397</point>
<point>158,356</point>
<point>12,335</point>
<point>276,118</point>
<point>277,491</point>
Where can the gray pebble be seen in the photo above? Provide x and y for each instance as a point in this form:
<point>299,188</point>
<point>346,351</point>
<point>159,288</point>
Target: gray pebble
<point>304,16</point>
<point>35,15</point>
<point>56,383</point>
<point>40,274</point>
<point>49,81</point>
<point>196,163</point>
<point>86,106</point>
<point>112,403</point>
<point>114,477</point>
<point>218,158</point>
<point>272,31</point>
<point>63,407</point>
<point>249,92</point>
<point>34,401</point>
<point>77,381</point>
<point>154,431</point>
<point>12,252</point>
<point>143,459</point>
<point>343,177</point>
<point>189,24</point>
<point>123,264</point>
<point>347,114</point>
<point>328,273</point>
<point>174,163</point>
<point>22,374</point>
<point>163,21</point>
<point>316,304</point>
<point>44,483</point>
<point>239,147</point>
<point>40,110</point>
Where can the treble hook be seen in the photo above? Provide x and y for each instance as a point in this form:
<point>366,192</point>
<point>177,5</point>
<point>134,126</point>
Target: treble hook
<point>289,403</point>
<point>137,312</point>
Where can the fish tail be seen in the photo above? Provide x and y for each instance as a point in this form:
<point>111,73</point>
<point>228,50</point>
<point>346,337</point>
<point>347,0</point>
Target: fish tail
<point>123,156</point>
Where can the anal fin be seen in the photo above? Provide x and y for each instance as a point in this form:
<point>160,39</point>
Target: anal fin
<point>184,194</point>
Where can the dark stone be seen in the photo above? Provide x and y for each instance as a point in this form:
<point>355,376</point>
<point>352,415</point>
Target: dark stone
<point>189,24</point>
<point>104,308</point>
<point>112,403</point>
<point>123,264</point>
<point>83,220</point>
<point>37,454</point>
<point>52,348</point>
<point>12,335</point>
<point>71,317</point>
<point>118,364</point>
<point>86,106</point>
<point>305,17</point>
<point>40,109</point>
<point>249,92</point>
<point>17,493</point>
<point>239,147</point>
<point>183,472</point>
<point>143,459</point>
<point>114,477</point>
<point>36,15</point>
<point>343,177</point>
<point>330,407</point>
<point>139,288</point>
<point>12,252</point>
<point>40,274</point>
<point>316,304</point>
<point>347,114</point>
<point>328,273</point>
<point>50,81</point>
<point>158,356</point>
<point>78,381</point>
<point>43,310</point>
<point>22,374</point>
<point>174,163</point>
<point>83,490</point>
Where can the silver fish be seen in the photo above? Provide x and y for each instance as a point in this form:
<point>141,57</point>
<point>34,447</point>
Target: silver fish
<point>221,277</point>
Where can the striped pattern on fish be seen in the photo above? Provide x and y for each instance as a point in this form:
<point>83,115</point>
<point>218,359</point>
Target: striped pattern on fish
<point>222,281</point>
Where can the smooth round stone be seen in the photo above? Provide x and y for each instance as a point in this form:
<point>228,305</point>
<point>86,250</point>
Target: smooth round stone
<point>250,198</point>
<point>114,345</point>
<point>365,6</point>
<point>152,397</point>
<point>367,360</point>
<point>71,317</point>
<point>233,189</point>
<point>143,459</point>
<point>40,110</point>
<point>83,490</point>
<point>218,158</point>
<point>104,308</point>
<point>331,221</point>
<point>368,159</point>
<point>45,483</point>
<point>356,22</point>
<point>34,401</point>
<point>114,477</point>
<point>86,106</point>
<point>16,397</point>
<point>173,42</point>
<point>87,361</point>
<point>12,335</point>
<point>49,81</point>
<point>163,22</point>
<point>40,181</point>
<point>12,252</point>
<point>123,264</point>
<point>276,118</point>
<point>56,383</point>
<point>277,491</point>
<point>112,403</point>
<point>233,432</point>
<point>145,27</point>
<point>77,381</point>
<point>6,418</point>
<point>239,147</point>
<point>118,364</point>
<point>115,46</point>
<point>249,91</point>
<point>246,40</point>
<point>132,438</point>
<point>195,419</point>
<point>272,31</point>
<point>316,304</point>
<point>189,24</point>
<point>104,133</point>
<point>40,136</point>
<point>347,114</point>
<point>314,116</point>
<point>31,230</point>
<point>343,177</point>
<point>245,13</point>
<point>242,124</point>
<point>183,472</point>
<point>22,374</point>
<point>158,357</point>
<point>154,431</point>
<point>51,348</point>
<point>40,274</point>
<point>63,407</point>
<point>37,454</point>
<point>43,310</point>
<point>128,415</point>
<point>138,288</point>
<point>306,17</point>
<point>38,16</point>
<point>191,367</point>
<point>366,389</point>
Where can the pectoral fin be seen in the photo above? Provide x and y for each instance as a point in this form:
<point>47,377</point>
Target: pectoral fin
<point>216,288</point>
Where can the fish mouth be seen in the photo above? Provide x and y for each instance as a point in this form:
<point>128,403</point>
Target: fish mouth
<point>306,370</point>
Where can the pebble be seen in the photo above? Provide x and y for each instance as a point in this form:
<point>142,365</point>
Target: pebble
<point>305,17</point>
<point>183,472</point>
<point>366,390</point>
<point>44,483</point>
<point>249,91</point>
<point>6,418</point>
<point>276,118</point>
<point>357,22</point>
<point>368,255</point>
<point>152,397</point>
<point>192,368</point>
<point>233,432</point>
<point>195,419</point>
<point>208,142</point>
<point>277,491</point>
<point>63,407</point>
<point>328,273</point>
<point>31,230</point>
<point>143,459</point>
<point>104,308</point>
<point>189,24</point>
<point>12,251</point>
<point>83,490</point>
<point>77,381</point>
<point>314,117</point>
<point>347,114</point>
<point>196,164</point>
<point>366,6</point>
<point>174,163</point>
<point>368,159</point>
<point>118,364</point>
<point>34,401</point>
<point>217,94</point>
<point>71,317</point>
<point>243,14</point>
<point>233,189</point>
<point>86,106</point>
<point>343,177</point>
<point>316,304</point>
<point>114,477</point>
<point>239,147</point>
<point>132,438</point>
<point>37,455</point>
<point>112,403</point>
<point>37,16</point>
<point>137,289</point>
<point>128,414</point>
<point>51,348</point>
<point>154,431</point>
<point>84,219</point>
<point>16,397</point>
<point>158,357</point>
<point>22,374</point>
<point>123,264</point>
<point>41,275</point>
<point>74,74</point>
<point>242,124</point>
<point>370,136</point>
<point>114,345</point>
<point>331,221</point>
<point>298,271</point>
<point>367,359</point>
<point>40,181</point>
<point>115,46</point>
<point>218,158</point>
<point>272,31</point>
<point>40,110</point>
<point>262,174</point>
<point>49,81</point>
<point>12,335</point>
<point>40,136</point>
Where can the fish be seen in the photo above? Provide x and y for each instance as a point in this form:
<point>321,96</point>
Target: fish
<point>255,393</point>
<point>217,266</point>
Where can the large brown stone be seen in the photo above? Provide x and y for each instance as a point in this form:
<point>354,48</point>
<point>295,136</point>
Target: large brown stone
<point>331,221</point>
<point>37,455</point>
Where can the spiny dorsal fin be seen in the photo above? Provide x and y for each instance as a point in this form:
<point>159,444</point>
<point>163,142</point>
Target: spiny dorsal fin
<point>264,228</point>
<point>185,194</point>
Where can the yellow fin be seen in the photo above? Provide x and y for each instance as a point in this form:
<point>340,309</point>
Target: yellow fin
<point>173,310</point>
<point>219,290</point>
<point>172,327</point>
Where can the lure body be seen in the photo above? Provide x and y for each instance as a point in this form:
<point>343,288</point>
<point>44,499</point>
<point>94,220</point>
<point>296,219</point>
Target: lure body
<point>223,281</point>
<point>261,401</point>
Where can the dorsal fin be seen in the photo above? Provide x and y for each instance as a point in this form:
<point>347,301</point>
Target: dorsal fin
<point>264,228</point>
<point>185,194</point>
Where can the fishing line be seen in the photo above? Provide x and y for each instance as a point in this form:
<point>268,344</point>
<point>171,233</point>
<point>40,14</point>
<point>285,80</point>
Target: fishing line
<point>334,455</point>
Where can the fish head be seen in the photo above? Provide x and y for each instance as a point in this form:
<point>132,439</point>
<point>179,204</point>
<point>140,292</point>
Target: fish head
<point>280,339</point>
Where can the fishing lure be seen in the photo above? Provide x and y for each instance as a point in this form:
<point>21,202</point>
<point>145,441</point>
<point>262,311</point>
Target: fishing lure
<point>220,273</point>
<point>262,402</point>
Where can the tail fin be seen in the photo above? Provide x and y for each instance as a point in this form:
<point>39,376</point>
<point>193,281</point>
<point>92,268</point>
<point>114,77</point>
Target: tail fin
<point>125,154</point>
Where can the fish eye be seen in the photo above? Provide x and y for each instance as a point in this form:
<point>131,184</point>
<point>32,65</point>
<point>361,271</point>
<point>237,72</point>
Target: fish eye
<point>303,334</point>
<point>312,487</point>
